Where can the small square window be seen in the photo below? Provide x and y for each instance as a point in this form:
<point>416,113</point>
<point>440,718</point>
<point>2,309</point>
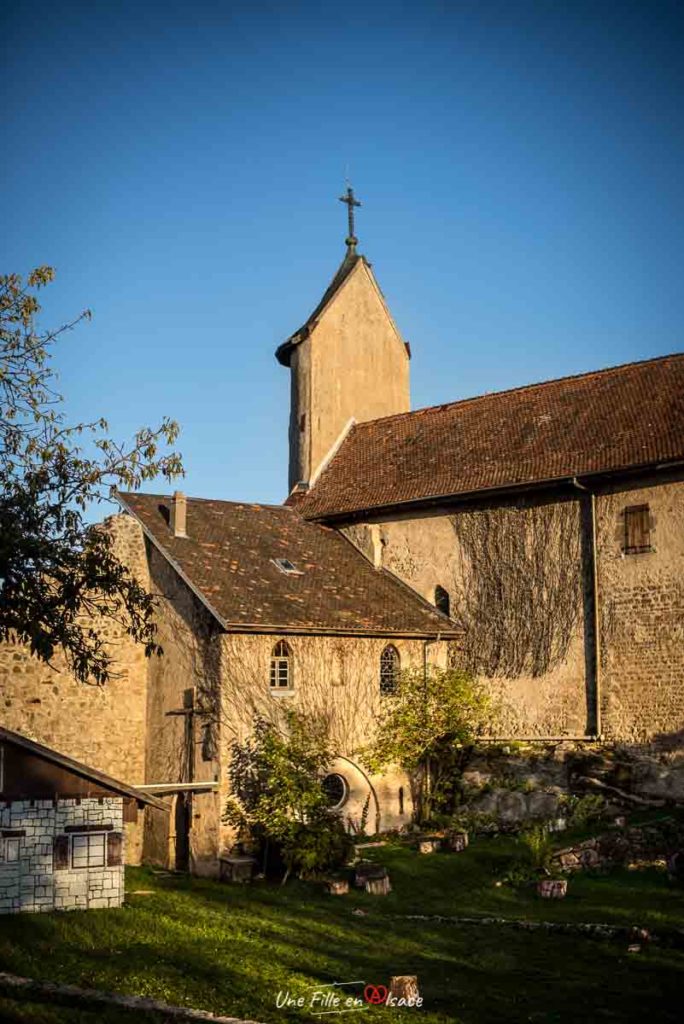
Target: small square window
<point>637,530</point>
<point>9,850</point>
<point>88,850</point>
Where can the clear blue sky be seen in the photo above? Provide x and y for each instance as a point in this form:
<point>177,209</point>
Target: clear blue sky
<point>521,167</point>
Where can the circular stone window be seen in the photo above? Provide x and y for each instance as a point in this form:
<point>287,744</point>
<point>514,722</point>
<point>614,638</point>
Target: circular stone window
<point>336,789</point>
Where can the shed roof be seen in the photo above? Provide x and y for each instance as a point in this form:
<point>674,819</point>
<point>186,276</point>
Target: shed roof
<point>16,739</point>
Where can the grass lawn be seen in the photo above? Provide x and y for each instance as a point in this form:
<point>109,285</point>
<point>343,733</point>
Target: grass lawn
<point>232,949</point>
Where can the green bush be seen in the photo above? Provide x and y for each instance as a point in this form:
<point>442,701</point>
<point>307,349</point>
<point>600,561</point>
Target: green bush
<point>277,795</point>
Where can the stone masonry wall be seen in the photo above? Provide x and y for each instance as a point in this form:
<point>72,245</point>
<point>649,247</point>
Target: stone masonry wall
<point>103,726</point>
<point>31,884</point>
<point>641,604</point>
<point>642,618</point>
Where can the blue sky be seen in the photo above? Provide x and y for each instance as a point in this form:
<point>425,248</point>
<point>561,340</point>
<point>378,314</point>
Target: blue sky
<point>520,166</point>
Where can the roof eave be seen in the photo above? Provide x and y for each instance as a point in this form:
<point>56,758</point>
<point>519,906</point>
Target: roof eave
<point>486,492</point>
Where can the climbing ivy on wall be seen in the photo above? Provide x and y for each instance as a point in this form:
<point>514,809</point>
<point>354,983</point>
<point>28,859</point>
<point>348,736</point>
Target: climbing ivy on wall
<point>518,586</point>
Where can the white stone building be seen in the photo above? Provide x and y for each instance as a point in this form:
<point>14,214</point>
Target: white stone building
<point>61,830</point>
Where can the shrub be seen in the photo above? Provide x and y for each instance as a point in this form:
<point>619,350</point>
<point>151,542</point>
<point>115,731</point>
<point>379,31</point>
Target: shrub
<point>276,780</point>
<point>426,727</point>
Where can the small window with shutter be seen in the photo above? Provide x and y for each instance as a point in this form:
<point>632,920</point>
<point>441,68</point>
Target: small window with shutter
<point>637,530</point>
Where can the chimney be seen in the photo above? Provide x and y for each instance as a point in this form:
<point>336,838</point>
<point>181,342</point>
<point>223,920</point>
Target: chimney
<point>377,544</point>
<point>179,508</point>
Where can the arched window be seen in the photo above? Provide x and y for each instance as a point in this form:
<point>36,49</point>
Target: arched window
<point>281,667</point>
<point>442,601</point>
<point>389,669</point>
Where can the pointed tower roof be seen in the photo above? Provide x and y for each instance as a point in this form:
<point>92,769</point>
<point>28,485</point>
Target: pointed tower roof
<point>351,259</point>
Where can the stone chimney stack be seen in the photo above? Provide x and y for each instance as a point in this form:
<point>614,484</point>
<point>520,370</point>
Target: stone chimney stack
<point>377,544</point>
<point>179,510</point>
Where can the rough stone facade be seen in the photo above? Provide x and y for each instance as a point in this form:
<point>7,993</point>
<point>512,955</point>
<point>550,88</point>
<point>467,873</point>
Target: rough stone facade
<point>31,878</point>
<point>103,726</point>
<point>641,615</point>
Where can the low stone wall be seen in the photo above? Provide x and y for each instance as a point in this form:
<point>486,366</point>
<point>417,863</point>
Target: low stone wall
<point>31,880</point>
<point>520,783</point>
<point>640,844</point>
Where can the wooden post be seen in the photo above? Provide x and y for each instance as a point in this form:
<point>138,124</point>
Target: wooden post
<point>457,841</point>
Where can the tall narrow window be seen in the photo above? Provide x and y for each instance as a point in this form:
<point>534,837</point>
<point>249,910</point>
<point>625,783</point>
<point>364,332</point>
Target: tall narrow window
<point>442,601</point>
<point>637,529</point>
<point>389,669</point>
<point>281,667</point>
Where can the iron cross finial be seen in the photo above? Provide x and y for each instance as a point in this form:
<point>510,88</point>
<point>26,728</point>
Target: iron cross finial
<point>351,239</point>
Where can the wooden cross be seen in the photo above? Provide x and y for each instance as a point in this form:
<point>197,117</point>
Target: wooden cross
<point>351,203</point>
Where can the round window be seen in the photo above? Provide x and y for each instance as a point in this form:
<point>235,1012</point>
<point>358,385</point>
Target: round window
<point>336,789</point>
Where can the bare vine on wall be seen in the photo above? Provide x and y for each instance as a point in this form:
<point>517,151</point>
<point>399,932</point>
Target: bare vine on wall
<point>518,587</point>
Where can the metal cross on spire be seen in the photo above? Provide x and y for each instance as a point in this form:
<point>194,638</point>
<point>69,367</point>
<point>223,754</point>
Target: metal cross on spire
<point>351,239</point>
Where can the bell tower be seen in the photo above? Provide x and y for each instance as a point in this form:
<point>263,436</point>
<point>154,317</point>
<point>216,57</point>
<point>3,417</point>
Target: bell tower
<point>348,363</point>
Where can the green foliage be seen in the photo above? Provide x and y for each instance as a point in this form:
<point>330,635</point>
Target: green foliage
<point>425,727</point>
<point>537,848</point>
<point>278,798</point>
<point>584,810</point>
<point>61,583</point>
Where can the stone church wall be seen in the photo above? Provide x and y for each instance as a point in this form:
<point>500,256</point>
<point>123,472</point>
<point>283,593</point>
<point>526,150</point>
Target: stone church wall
<point>337,677</point>
<point>425,552</point>
<point>103,726</point>
<point>179,748</point>
<point>641,601</point>
<point>642,618</point>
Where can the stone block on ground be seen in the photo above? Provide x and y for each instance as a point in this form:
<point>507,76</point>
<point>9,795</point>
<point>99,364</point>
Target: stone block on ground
<point>429,844</point>
<point>456,841</point>
<point>337,886</point>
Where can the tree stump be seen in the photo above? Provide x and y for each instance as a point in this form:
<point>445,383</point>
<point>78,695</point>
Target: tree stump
<point>457,841</point>
<point>429,845</point>
<point>337,886</point>
<point>378,886</point>
<point>405,986</point>
<point>552,888</point>
<point>365,870</point>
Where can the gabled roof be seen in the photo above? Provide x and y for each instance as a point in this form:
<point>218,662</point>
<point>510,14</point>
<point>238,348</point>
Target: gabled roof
<point>228,561</point>
<point>69,764</point>
<point>616,419</point>
<point>351,259</point>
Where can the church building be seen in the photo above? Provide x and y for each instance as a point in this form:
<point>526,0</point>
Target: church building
<point>533,536</point>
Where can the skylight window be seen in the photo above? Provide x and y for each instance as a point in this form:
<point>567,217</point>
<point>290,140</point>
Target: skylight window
<point>286,566</point>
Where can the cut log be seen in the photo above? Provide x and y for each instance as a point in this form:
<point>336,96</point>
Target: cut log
<point>457,841</point>
<point>338,886</point>
<point>404,987</point>
<point>552,888</point>
<point>366,870</point>
<point>378,886</point>
<point>429,845</point>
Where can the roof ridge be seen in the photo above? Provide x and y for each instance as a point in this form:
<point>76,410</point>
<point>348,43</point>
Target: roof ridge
<point>514,390</point>
<point>220,501</point>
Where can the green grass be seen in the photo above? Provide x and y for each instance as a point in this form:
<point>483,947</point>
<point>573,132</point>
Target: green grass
<point>231,949</point>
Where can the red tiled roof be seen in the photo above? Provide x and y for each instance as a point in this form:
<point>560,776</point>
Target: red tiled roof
<point>619,418</point>
<point>227,558</point>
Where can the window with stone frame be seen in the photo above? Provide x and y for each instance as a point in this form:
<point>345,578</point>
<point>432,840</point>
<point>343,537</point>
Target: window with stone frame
<point>89,850</point>
<point>637,530</point>
<point>390,666</point>
<point>281,667</point>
